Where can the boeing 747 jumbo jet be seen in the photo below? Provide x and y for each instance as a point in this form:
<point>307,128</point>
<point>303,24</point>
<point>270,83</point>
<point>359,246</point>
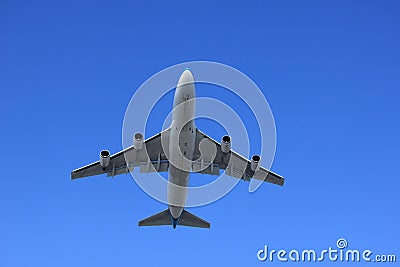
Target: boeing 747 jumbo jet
<point>179,150</point>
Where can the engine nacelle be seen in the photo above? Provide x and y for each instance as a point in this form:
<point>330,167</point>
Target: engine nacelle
<point>226,144</point>
<point>138,141</point>
<point>104,158</point>
<point>255,162</point>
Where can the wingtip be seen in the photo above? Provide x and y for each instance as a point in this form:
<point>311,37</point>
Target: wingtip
<point>74,176</point>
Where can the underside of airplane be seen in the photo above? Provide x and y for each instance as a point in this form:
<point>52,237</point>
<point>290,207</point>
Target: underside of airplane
<point>179,150</point>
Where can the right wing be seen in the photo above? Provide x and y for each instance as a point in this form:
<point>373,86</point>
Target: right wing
<point>234,164</point>
<point>151,158</point>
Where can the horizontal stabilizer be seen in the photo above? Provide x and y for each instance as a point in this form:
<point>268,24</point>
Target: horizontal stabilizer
<point>162,218</point>
<point>165,218</point>
<point>189,219</point>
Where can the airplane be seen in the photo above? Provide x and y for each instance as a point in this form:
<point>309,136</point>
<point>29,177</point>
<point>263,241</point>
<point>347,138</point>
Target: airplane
<point>177,150</point>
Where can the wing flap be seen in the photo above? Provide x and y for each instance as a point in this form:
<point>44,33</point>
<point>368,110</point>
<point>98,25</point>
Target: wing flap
<point>212,169</point>
<point>154,166</point>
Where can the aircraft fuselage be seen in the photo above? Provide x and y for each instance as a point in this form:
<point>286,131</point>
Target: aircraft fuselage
<point>182,144</point>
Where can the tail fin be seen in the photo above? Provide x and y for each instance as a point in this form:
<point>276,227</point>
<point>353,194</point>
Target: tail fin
<point>165,218</point>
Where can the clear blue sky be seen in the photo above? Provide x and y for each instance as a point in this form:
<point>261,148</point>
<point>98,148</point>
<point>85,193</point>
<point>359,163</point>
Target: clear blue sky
<point>329,69</point>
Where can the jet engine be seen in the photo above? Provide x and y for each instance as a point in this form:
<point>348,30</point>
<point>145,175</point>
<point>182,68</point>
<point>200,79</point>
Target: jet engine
<point>138,141</point>
<point>104,158</point>
<point>255,162</point>
<point>226,144</point>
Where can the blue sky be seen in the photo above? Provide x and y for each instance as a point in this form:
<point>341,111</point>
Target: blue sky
<point>329,69</point>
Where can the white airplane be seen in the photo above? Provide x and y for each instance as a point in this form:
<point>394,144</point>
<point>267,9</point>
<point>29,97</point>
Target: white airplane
<point>178,151</point>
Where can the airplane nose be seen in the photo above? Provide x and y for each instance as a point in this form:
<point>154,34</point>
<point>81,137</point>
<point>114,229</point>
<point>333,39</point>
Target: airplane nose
<point>185,88</point>
<point>186,77</point>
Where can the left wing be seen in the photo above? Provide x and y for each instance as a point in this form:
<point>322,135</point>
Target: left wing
<point>234,164</point>
<point>151,158</point>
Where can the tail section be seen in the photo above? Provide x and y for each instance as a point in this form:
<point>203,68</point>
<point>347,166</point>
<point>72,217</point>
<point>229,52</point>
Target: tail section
<point>165,218</point>
<point>189,219</point>
<point>162,218</point>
